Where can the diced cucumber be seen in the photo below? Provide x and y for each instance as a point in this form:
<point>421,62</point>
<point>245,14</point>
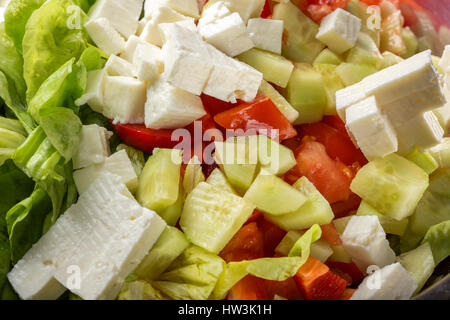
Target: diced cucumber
<point>275,68</point>
<point>272,195</point>
<point>306,93</point>
<point>299,38</point>
<point>332,83</point>
<point>341,223</point>
<point>239,160</point>
<point>424,160</point>
<point>159,182</point>
<point>389,59</point>
<point>328,57</point>
<point>391,35</point>
<point>320,249</point>
<point>340,255</point>
<point>316,209</point>
<point>211,216</point>
<point>172,213</point>
<point>282,104</point>
<point>389,225</point>
<point>411,42</point>
<point>441,153</point>
<point>217,178</point>
<point>419,263</point>
<point>352,73</point>
<point>169,246</point>
<point>193,175</point>
<point>274,157</point>
<point>392,185</point>
<point>365,51</point>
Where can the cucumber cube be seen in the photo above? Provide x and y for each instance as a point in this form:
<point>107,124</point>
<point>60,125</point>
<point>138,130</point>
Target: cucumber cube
<point>352,73</point>
<point>218,179</point>
<point>424,160</point>
<point>282,104</point>
<point>328,57</point>
<point>211,216</point>
<point>332,83</point>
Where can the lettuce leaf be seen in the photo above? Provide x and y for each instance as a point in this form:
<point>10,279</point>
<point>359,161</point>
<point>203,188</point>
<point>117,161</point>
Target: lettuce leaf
<point>277,269</point>
<point>50,40</point>
<point>5,260</point>
<point>25,223</point>
<point>140,290</point>
<point>192,276</point>
<point>438,236</point>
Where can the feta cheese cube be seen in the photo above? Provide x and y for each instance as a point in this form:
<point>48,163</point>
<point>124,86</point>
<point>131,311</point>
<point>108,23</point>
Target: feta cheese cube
<point>444,64</point>
<point>347,97</point>
<point>105,36</point>
<point>130,47</point>
<point>151,33</point>
<point>392,282</point>
<point>371,129</point>
<point>266,34</point>
<point>339,30</point>
<point>118,164</point>
<point>93,148</point>
<point>95,88</point>
<point>227,34</point>
<point>116,66</point>
<point>124,20</point>
<point>213,13</point>
<point>134,7</point>
<point>168,107</point>
<point>246,8</point>
<point>186,7</point>
<point>365,241</point>
<point>423,131</point>
<point>124,99</point>
<point>148,61</point>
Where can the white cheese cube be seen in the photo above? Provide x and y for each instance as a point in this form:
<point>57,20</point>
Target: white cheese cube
<point>392,282</point>
<point>148,61</point>
<point>246,8</point>
<point>95,88</point>
<point>371,129</point>
<point>116,66</point>
<point>443,113</point>
<point>93,148</point>
<point>444,64</point>
<point>123,20</point>
<point>405,78</point>
<point>339,30</point>
<point>213,13</point>
<point>133,6</point>
<point>118,164</point>
<point>130,47</point>
<point>347,97</point>
<point>105,36</point>
<point>227,34</point>
<point>186,7</point>
<point>168,107</point>
<point>423,131</point>
<point>124,99</point>
<point>365,241</point>
<point>151,33</point>
<point>266,34</point>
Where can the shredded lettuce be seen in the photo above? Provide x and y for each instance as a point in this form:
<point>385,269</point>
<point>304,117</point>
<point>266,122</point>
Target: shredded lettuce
<point>140,290</point>
<point>277,269</point>
<point>438,236</point>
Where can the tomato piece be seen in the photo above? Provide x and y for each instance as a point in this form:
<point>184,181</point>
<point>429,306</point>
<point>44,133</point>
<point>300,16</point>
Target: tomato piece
<point>318,9</point>
<point>318,282</point>
<point>346,208</point>
<point>267,12</point>
<point>332,178</point>
<point>246,244</point>
<point>256,215</point>
<point>335,122</point>
<point>287,289</point>
<point>249,288</point>
<point>338,144</point>
<point>349,268</point>
<point>371,2</point>
<point>330,234</point>
<point>408,13</point>
<point>214,106</point>
<point>261,116</point>
<point>272,235</point>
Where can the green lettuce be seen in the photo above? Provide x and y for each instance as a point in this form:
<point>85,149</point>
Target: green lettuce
<point>277,269</point>
<point>140,290</point>
<point>438,236</point>
<point>51,39</point>
<point>5,259</point>
<point>192,276</point>
<point>25,222</point>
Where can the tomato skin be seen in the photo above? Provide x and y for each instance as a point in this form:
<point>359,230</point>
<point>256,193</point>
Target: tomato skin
<point>215,106</point>
<point>257,115</point>
<point>287,289</point>
<point>249,288</point>
<point>346,208</point>
<point>246,244</point>
<point>272,235</point>
<point>332,178</point>
<point>349,268</point>
<point>330,234</point>
<point>267,12</point>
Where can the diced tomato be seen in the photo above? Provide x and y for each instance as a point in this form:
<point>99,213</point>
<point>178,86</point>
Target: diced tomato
<point>339,146</point>
<point>215,106</point>
<point>332,178</point>
<point>371,2</point>
<point>318,9</point>
<point>249,288</point>
<point>247,244</point>
<point>256,215</point>
<point>287,289</point>
<point>348,293</point>
<point>266,11</point>
<point>346,208</point>
<point>349,268</point>
<point>260,115</point>
<point>317,282</point>
<point>272,236</point>
<point>408,13</point>
<point>330,234</point>
<point>335,122</point>
<point>209,168</point>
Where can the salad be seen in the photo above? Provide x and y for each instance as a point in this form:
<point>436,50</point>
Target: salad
<point>222,149</point>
